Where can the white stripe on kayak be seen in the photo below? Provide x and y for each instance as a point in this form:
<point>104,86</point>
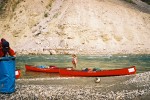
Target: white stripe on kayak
<point>131,70</point>
<point>16,73</point>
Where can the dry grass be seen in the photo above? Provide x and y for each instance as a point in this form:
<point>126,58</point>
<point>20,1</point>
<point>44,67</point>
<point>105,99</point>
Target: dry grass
<point>105,37</point>
<point>117,37</point>
<point>50,3</point>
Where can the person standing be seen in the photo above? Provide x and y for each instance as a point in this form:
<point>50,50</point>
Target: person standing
<point>74,60</point>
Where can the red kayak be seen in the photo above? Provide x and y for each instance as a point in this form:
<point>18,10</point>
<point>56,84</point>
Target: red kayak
<point>114,72</point>
<point>18,73</point>
<point>51,69</point>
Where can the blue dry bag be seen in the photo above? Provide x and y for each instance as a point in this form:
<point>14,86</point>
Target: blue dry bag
<point>7,74</point>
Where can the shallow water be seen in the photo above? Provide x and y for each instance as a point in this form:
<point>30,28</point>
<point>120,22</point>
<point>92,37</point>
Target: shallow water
<point>142,63</point>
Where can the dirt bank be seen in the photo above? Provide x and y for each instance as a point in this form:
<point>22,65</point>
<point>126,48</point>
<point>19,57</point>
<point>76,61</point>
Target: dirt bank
<point>80,26</point>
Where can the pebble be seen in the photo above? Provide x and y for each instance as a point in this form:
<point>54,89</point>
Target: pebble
<point>131,89</point>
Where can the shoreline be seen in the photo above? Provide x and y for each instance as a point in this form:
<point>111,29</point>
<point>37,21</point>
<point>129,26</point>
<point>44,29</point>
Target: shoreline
<point>99,52</point>
<point>84,53</point>
<point>129,87</point>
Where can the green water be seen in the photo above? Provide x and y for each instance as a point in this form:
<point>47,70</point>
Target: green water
<point>142,62</point>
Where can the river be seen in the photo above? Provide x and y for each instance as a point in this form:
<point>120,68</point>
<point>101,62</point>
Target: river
<point>142,63</point>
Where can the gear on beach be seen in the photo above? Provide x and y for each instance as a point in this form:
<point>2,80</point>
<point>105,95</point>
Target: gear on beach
<point>97,80</point>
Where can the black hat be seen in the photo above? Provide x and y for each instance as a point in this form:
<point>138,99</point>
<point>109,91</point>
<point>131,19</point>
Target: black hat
<point>2,40</point>
<point>5,44</point>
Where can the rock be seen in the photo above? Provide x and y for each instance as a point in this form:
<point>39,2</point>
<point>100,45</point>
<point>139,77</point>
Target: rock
<point>97,80</point>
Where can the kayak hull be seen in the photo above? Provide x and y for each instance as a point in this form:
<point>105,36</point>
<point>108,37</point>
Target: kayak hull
<point>101,73</point>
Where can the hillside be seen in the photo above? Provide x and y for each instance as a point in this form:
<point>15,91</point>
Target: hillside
<point>77,26</point>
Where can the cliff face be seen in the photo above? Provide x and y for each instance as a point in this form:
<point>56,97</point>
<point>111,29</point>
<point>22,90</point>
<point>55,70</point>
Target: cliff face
<point>78,26</point>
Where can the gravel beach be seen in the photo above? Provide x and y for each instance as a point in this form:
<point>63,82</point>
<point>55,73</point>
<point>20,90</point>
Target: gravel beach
<point>132,87</point>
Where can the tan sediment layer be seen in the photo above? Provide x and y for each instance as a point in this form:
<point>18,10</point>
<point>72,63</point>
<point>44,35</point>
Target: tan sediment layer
<point>77,26</point>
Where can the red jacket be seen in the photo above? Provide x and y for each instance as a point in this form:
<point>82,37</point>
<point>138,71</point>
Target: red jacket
<point>10,52</point>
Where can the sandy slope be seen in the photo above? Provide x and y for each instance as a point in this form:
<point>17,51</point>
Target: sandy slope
<point>78,26</point>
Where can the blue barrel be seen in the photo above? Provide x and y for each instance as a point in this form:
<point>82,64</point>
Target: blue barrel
<point>7,75</point>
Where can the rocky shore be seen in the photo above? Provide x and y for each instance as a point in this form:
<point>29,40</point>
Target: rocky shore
<point>134,87</point>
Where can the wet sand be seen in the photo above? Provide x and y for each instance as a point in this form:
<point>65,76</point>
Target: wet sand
<point>132,87</point>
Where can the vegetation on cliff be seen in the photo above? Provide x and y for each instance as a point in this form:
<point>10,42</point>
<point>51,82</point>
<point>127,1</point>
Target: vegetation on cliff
<point>147,1</point>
